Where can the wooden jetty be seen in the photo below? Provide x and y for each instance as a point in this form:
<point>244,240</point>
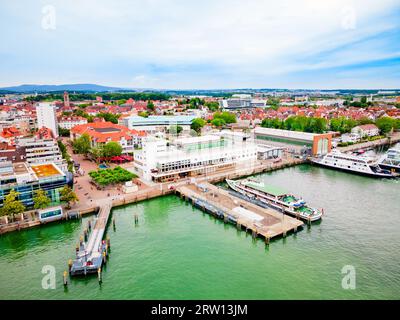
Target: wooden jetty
<point>90,254</point>
<point>262,222</point>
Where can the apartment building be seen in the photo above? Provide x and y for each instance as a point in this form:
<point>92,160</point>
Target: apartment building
<point>42,151</point>
<point>46,117</point>
<point>68,122</point>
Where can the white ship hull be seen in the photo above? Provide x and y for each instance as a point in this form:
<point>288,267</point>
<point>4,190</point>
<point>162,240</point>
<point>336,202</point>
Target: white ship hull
<point>272,202</point>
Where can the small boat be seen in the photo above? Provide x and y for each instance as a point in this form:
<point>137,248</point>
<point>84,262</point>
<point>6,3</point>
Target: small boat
<point>275,198</point>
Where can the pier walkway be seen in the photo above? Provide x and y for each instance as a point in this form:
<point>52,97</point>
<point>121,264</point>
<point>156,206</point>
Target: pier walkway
<point>91,254</point>
<point>263,222</point>
<point>392,139</point>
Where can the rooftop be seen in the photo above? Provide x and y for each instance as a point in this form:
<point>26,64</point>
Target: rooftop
<point>307,136</point>
<point>275,191</point>
<point>104,131</point>
<point>45,170</point>
<point>152,120</point>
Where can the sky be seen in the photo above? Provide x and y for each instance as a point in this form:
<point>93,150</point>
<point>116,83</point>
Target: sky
<point>207,44</point>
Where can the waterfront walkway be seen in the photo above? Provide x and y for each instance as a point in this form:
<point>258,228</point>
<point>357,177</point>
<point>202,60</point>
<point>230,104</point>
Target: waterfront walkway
<point>90,199</point>
<point>392,139</point>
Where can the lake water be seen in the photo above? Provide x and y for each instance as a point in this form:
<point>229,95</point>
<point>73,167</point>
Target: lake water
<point>179,252</point>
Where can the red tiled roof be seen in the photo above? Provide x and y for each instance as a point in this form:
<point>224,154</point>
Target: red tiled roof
<point>45,133</point>
<point>90,129</point>
<point>10,132</point>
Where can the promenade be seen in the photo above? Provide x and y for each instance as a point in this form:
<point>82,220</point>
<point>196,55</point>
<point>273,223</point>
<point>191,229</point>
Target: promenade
<point>90,198</point>
<point>394,138</point>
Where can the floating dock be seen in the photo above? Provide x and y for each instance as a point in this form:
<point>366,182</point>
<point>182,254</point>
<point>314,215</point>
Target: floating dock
<point>262,222</point>
<point>91,254</point>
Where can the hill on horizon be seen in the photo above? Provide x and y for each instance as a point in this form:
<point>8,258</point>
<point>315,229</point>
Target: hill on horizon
<point>62,87</point>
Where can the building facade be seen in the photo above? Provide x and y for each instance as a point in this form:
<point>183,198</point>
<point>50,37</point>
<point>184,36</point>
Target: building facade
<point>42,151</point>
<point>318,144</point>
<point>46,117</point>
<point>27,179</point>
<point>188,157</point>
<point>68,122</point>
<point>154,124</point>
<point>366,130</point>
<point>101,133</point>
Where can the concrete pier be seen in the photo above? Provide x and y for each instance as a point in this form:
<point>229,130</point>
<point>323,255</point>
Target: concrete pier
<point>263,222</point>
<point>89,257</point>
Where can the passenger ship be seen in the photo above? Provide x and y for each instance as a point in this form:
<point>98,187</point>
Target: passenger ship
<point>275,198</point>
<point>391,160</point>
<point>355,164</point>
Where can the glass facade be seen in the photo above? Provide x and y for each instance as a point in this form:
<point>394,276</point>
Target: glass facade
<point>51,186</point>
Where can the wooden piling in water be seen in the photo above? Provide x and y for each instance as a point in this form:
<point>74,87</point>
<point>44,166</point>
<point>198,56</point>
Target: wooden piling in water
<point>108,242</point>
<point>65,278</point>
<point>104,257</point>
<point>99,277</point>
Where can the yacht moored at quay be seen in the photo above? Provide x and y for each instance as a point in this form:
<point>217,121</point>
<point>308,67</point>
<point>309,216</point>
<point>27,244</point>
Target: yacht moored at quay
<point>276,198</point>
<point>355,164</point>
<point>391,160</point>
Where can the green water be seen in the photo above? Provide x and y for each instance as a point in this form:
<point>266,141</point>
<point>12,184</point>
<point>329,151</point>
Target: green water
<point>178,252</point>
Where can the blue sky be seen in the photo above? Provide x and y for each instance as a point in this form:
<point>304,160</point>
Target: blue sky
<point>185,44</point>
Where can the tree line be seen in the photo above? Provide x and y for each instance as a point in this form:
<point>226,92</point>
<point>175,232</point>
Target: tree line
<point>320,125</point>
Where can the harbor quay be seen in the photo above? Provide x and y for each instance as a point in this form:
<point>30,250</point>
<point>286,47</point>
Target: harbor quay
<point>263,222</point>
<point>97,198</point>
<point>387,141</point>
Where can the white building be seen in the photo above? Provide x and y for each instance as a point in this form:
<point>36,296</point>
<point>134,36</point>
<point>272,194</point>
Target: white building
<point>154,124</point>
<point>46,117</point>
<point>366,130</point>
<point>69,122</point>
<point>350,137</point>
<point>43,151</point>
<point>189,157</point>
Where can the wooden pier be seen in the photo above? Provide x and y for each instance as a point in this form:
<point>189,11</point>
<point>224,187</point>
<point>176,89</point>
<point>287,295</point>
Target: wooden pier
<point>262,222</point>
<point>92,249</point>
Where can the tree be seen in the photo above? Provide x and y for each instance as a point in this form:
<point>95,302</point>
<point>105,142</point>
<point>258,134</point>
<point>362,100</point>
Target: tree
<point>82,145</point>
<point>150,105</point>
<point>385,124</point>
<point>218,122</point>
<point>63,132</point>
<point>111,117</point>
<point>194,103</point>
<point>143,114</point>
<point>96,153</point>
<point>111,149</point>
<point>68,195</point>
<point>363,100</point>
<point>228,117</point>
<point>212,105</point>
<point>41,200</point>
<point>175,129</point>
<point>11,205</point>
<point>197,124</point>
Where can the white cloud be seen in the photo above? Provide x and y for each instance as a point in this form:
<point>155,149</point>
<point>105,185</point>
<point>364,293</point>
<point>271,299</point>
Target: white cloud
<point>149,39</point>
